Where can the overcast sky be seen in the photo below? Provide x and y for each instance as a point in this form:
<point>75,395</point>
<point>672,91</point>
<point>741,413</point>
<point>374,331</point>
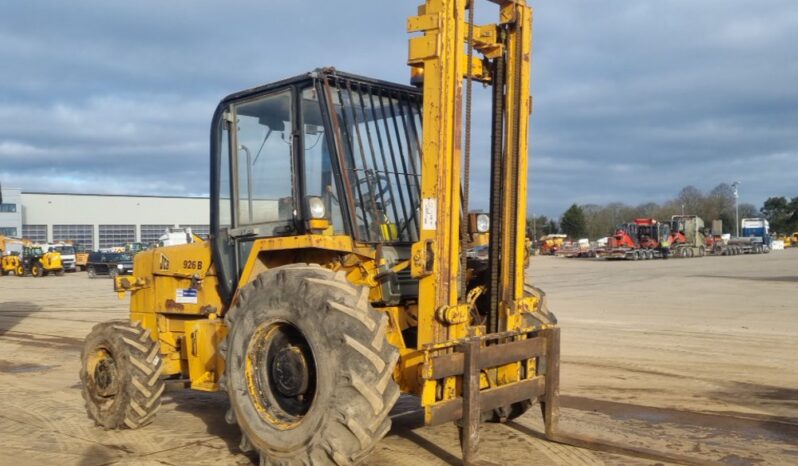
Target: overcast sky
<point>634,99</point>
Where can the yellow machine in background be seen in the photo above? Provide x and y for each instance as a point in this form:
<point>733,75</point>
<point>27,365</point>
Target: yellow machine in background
<point>10,252</point>
<point>81,259</point>
<point>550,244</point>
<point>31,260</point>
<point>336,275</point>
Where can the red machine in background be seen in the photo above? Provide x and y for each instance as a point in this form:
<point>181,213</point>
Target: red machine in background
<point>639,240</point>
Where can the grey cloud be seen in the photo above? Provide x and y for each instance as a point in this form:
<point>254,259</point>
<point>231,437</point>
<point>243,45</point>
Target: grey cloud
<point>633,100</point>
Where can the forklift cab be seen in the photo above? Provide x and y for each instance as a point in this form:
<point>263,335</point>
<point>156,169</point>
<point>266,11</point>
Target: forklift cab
<point>324,153</point>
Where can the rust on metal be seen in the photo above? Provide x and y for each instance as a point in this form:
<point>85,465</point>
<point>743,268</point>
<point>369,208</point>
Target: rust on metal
<point>492,356</point>
<point>469,430</point>
<point>551,398</point>
<point>491,398</point>
<point>174,306</point>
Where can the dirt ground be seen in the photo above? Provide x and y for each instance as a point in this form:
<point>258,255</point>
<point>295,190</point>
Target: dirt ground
<point>695,357</point>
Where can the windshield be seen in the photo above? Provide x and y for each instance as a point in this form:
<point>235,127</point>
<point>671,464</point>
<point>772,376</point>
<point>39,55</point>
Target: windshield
<point>114,257</point>
<point>64,250</point>
<point>264,162</point>
<point>378,130</point>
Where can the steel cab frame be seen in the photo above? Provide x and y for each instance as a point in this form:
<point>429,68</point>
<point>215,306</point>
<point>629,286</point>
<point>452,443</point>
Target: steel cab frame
<point>509,350</point>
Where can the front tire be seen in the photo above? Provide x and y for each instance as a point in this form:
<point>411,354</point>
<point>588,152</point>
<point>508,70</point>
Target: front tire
<point>36,270</point>
<point>120,375</point>
<point>308,369</point>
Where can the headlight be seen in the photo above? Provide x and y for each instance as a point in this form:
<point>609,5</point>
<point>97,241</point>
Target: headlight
<point>316,207</point>
<point>483,223</point>
<point>120,266</point>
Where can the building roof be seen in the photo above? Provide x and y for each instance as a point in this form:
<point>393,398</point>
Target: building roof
<point>115,195</point>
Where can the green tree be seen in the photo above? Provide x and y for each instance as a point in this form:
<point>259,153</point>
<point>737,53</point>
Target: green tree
<point>535,226</point>
<point>551,228</point>
<point>573,222</point>
<point>748,211</point>
<point>792,222</point>
<point>779,212</point>
<point>691,199</point>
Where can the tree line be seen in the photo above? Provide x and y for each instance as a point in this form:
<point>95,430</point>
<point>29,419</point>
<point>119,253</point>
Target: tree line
<point>596,221</point>
<point>782,213</point>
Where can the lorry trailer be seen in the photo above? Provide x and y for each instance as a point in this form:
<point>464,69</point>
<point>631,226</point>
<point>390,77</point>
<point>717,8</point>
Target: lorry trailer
<point>719,244</point>
<point>638,240</point>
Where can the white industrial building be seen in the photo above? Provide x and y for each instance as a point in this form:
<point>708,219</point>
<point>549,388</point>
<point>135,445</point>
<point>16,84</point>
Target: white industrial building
<point>98,220</point>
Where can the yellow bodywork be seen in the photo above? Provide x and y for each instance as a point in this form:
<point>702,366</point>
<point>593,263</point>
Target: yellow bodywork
<point>11,263</point>
<point>174,290</point>
<point>51,261</point>
<point>81,259</point>
<point>189,329</point>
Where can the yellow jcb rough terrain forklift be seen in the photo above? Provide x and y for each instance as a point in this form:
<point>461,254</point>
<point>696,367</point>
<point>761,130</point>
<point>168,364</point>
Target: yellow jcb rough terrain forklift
<point>34,261</point>
<point>335,277</point>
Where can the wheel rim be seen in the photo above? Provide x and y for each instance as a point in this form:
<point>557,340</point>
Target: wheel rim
<point>103,375</point>
<point>281,374</point>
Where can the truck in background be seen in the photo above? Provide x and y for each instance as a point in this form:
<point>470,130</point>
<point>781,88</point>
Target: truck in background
<point>643,239</point>
<point>687,236</point>
<point>758,230</point>
<point>68,255</point>
<point>720,244</point>
<point>579,248</point>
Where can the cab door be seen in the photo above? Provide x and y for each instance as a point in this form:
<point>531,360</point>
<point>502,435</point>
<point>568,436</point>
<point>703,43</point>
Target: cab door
<point>255,173</point>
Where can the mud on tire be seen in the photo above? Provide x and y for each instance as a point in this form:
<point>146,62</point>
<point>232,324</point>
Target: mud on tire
<point>349,389</point>
<point>120,375</point>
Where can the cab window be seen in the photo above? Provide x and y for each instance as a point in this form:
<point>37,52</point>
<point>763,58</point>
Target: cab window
<point>263,163</point>
<point>319,176</point>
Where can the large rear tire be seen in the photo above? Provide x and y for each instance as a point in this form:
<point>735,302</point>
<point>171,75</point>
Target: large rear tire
<point>36,270</point>
<point>120,373</point>
<point>309,371</point>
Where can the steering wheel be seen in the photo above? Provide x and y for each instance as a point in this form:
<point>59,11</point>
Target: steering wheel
<point>379,186</point>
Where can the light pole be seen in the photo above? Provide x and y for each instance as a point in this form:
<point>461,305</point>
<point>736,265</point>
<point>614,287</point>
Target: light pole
<point>734,186</point>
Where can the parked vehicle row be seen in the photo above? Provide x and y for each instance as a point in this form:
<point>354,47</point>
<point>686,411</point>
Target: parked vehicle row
<point>684,236</point>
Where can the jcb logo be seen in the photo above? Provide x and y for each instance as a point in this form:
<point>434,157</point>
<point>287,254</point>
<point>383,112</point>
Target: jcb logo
<point>164,262</point>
